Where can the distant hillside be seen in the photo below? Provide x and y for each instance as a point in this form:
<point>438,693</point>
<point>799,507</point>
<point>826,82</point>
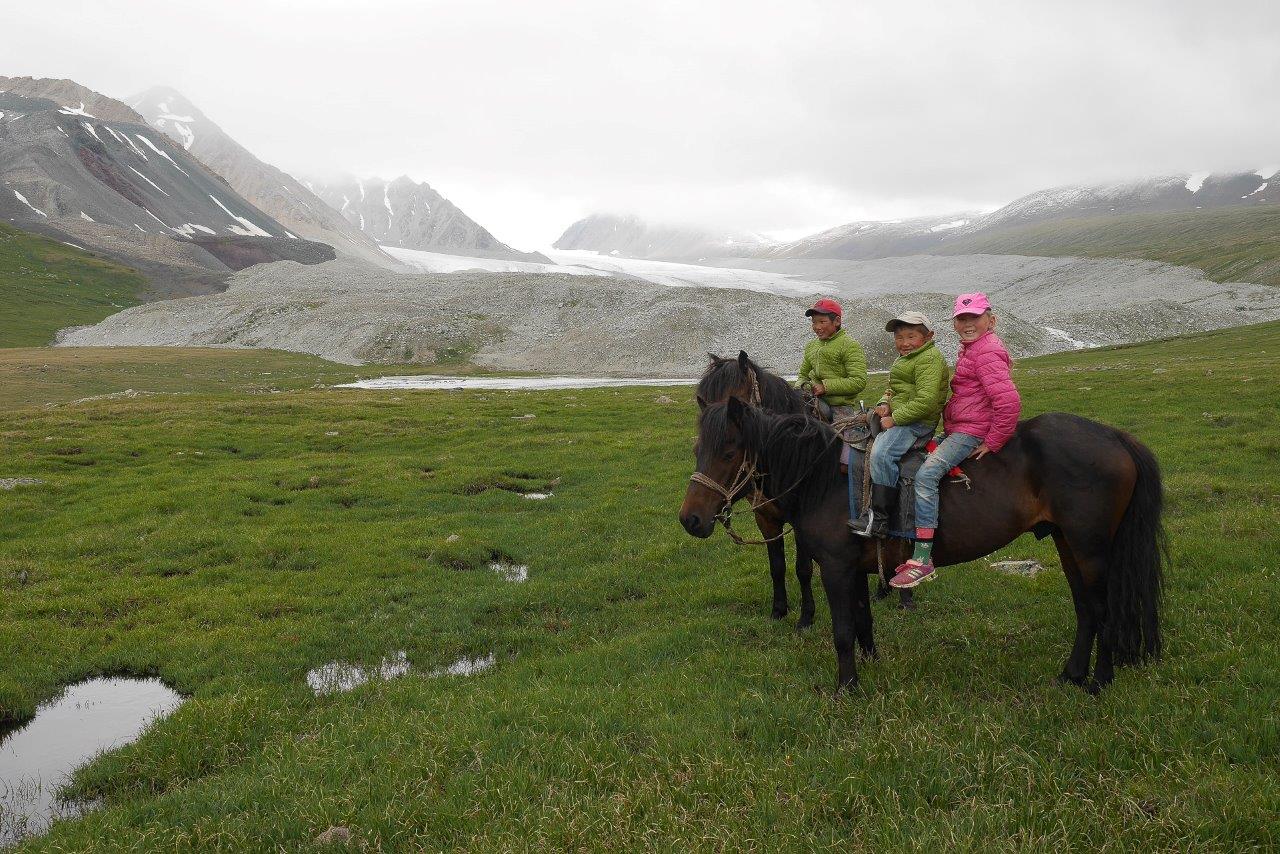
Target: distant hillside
<point>1228,244</point>
<point>410,215</point>
<point>270,189</point>
<point>115,185</point>
<point>46,285</point>
<point>1220,223</point>
<point>868,239</point>
<point>632,237</point>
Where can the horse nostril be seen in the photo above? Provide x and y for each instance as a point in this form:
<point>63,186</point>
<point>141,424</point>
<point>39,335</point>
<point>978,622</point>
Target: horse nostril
<point>692,522</point>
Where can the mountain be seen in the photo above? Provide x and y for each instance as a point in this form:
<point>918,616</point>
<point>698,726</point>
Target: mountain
<point>410,215</point>
<point>1155,218</point>
<point>270,189</point>
<point>871,239</point>
<point>632,237</point>
<point>88,170</point>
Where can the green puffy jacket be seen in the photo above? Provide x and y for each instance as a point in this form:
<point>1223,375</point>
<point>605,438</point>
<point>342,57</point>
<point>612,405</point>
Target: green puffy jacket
<point>839,364</point>
<point>918,383</point>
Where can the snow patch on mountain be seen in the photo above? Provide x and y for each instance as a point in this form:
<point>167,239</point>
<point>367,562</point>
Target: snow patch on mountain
<point>162,153</point>
<point>249,230</point>
<point>1196,180</point>
<point>76,111</point>
<point>148,180</point>
<point>23,199</point>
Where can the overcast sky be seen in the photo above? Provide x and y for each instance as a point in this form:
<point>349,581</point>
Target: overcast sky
<point>774,117</point>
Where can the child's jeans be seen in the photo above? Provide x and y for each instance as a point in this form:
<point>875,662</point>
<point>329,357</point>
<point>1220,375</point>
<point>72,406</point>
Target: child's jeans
<point>953,450</point>
<point>889,448</point>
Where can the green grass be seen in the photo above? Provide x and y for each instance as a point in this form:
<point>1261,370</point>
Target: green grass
<point>641,697</point>
<point>46,285</point>
<point>1229,245</point>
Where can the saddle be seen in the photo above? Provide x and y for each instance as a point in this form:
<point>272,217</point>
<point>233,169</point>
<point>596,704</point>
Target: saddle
<point>902,518</point>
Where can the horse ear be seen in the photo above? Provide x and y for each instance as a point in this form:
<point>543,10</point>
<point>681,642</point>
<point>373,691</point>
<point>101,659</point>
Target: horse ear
<point>743,362</point>
<point>702,404</point>
<point>736,409</point>
<point>714,358</point>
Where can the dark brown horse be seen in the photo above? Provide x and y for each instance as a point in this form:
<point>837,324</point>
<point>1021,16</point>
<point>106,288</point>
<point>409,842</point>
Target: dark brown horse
<point>725,378</point>
<point>747,381</point>
<point>1094,489</point>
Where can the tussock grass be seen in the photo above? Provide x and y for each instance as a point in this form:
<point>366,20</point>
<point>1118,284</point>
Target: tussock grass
<point>641,697</point>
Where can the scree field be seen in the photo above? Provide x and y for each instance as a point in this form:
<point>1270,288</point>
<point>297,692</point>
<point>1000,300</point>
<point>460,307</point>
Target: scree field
<point>231,537</point>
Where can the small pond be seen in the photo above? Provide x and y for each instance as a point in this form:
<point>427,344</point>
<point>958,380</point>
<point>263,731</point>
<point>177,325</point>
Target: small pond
<point>89,718</point>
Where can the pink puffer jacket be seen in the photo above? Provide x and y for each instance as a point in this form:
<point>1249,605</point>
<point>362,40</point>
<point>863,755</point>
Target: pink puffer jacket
<point>984,401</point>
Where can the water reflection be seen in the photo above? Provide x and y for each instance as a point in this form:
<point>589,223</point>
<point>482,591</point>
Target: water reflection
<point>89,718</point>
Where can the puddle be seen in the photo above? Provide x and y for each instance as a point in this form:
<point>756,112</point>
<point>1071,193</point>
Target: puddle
<point>339,676</point>
<point>510,571</point>
<point>466,666</point>
<point>90,717</point>
<point>537,496</point>
<point>437,383</point>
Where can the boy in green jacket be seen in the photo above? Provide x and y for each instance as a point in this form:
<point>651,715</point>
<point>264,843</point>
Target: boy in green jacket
<point>909,410</point>
<point>834,365</point>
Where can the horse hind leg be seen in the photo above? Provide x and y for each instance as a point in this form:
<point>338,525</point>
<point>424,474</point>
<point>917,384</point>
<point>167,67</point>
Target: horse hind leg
<point>1076,669</point>
<point>804,574</point>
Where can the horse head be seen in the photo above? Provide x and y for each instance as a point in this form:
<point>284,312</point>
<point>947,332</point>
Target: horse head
<point>724,466</point>
<point>728,377</point>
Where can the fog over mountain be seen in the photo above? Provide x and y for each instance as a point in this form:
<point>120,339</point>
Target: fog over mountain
<point>745,116</point>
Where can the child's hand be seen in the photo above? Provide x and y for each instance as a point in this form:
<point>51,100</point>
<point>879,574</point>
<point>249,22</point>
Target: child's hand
<point>886,422</point>
<point>980,452</point>
<point>819,389</point>
<point>882,410</point>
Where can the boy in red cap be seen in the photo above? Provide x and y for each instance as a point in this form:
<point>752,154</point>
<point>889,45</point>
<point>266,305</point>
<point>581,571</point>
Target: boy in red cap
<point>834,365</point>
<point>978,420</point>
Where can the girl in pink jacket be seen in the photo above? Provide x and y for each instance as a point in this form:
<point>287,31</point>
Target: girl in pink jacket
<point>979,419</point>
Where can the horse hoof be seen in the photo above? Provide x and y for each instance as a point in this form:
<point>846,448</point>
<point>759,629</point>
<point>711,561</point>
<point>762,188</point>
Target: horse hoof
<point>907,605</point>
<point>1065,678</point>
<point>882,592</point>
<point>803,625</point>
<point>778,613</point>
<point>1093,687</point>
<point>872,654</point>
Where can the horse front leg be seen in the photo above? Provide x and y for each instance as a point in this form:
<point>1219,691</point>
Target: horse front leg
<point>777,563</point>
<point>843,617</point>
<point>804,574</point>
<point>861,605</point>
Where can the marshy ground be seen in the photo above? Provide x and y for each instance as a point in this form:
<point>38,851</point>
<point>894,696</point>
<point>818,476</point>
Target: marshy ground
<point>229,540</point>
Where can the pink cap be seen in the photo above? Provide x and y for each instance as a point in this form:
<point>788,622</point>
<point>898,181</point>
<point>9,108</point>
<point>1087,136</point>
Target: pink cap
<point>975,303</point>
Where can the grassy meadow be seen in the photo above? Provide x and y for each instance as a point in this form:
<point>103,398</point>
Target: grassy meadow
<point>228,539</point>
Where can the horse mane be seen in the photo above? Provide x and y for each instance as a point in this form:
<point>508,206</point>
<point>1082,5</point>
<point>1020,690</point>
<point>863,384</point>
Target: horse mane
<point>724,376</point>
<point>799,456</point>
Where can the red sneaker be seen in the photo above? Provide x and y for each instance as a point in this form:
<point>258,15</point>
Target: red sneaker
<point>910,574</point>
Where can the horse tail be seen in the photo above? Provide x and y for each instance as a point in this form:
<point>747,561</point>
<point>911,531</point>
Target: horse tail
<point>1139,551</point>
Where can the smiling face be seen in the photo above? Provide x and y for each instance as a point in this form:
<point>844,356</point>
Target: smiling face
<point>824,325</point>
<point>909,338</point>
<point>971,327</point>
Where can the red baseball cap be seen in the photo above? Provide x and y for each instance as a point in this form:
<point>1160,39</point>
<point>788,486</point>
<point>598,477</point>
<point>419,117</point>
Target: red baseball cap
<point>825,306</point>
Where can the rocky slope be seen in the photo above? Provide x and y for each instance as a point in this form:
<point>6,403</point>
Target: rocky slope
<point>270,189</point>
<point>409,215</point>
<point>632,237</point>
<point>551,321</point>
<point>115,185</point>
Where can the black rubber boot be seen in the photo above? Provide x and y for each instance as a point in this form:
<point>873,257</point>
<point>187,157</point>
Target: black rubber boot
<point>874,520</point>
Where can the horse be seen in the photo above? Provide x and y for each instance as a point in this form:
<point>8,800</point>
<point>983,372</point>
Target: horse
<point>742,378</point>
<point>1094,489</point>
